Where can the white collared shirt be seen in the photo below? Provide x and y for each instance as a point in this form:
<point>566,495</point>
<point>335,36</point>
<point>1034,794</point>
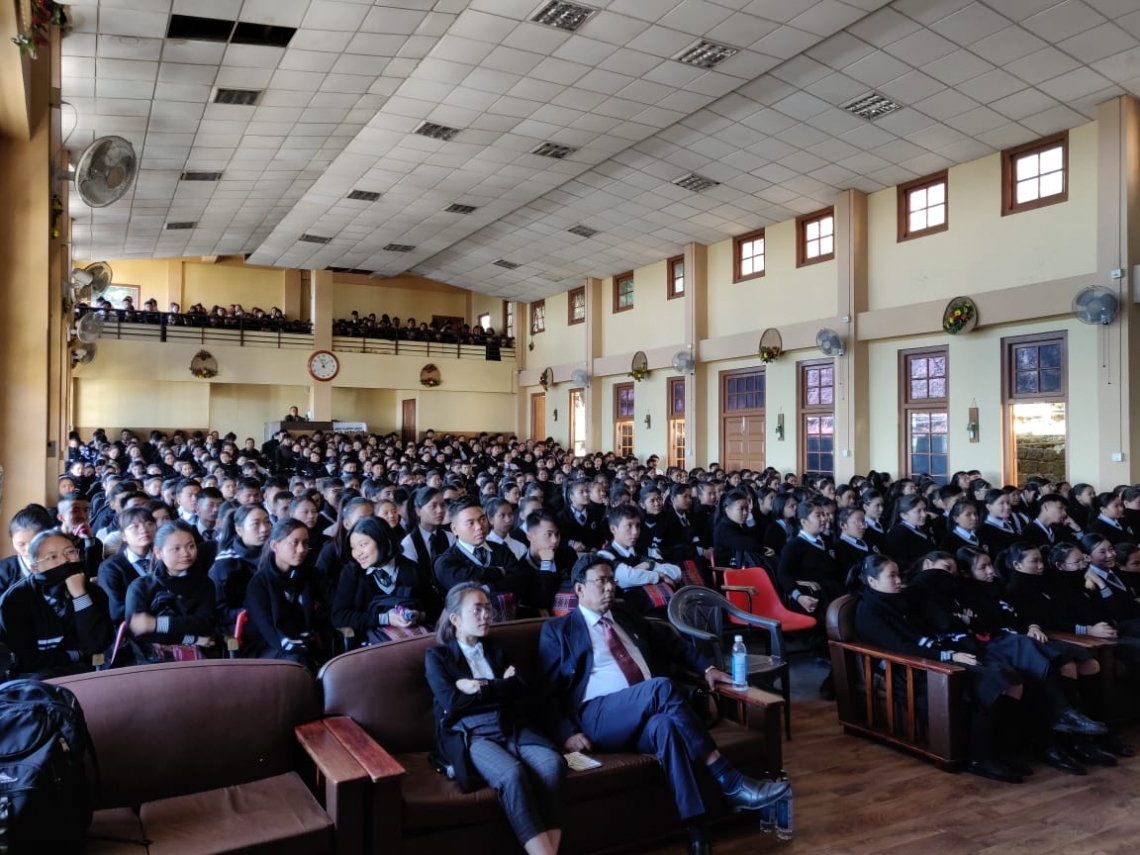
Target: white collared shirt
<point>606,676</point>
<point>516,548</point>
<point>480,667</point>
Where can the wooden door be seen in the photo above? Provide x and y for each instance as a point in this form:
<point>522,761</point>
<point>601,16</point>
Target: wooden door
<point>538,416</point>
<point>742,419</point>
<point>408,421</point>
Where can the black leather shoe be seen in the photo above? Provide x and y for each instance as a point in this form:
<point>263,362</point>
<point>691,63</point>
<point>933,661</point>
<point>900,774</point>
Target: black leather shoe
<point>700,847</point>
<point>1062,762</point>
<point>1088,752</point>
<point>751,794</point>
<point>1071,721</point>
<point>994,770</point>
<point>1115,747</point>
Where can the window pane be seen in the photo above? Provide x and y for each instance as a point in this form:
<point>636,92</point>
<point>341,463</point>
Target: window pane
<point>936,216</point>
<point>826,245</point>
<point>1052,184</point>
<point>918,367</point>
<point>827,376</point>
<point>813,377</point>
<point>1026,358</point>
<point>811,232</point>
<point>936,194</point>
<point>918,390</point>
<point>938,366</point>
<point>920,443</point>
<point>1050,160</point>
<point>938,388</point>
<point>1050,356</point>
<point>746,268</point>
<point>1027,190</point>
<point>940,466</point>
<point>918,463</point>
<point>1050,380</point>
<point>918,199</point>
<point>938,443</point>
<point>827,226</point>
<point>1027,167</point>
<point>939,422</point>
<point>826,395</point>
<point>813,396</point>
<point>918,221</point>
<point>813,424</point>
<point>919,422</point>
<point>1026,382</point>
<point>827,425</point>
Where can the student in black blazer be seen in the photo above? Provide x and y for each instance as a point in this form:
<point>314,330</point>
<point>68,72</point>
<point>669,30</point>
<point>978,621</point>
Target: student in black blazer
<point>1109,521</point>
<point>132,561</point>
<point>482,730</point>
<point>963,531</point>
<point>807,573</point>
<point>783,525</point>
<point>25,525</point>
<point>472,558</point>
<point>873,507</point>
<point>581,521</point>
<point>1052,524</point>
<point>996,531</point>
<point>735,543</point>
<point>851,546</point>
<point>907,540</point>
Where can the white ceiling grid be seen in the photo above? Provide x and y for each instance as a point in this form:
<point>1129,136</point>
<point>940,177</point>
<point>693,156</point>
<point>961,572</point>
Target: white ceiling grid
<point>343,100</point>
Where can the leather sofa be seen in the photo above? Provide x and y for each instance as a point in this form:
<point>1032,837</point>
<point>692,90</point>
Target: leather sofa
<point>378,704</point>
<point>209,757</point>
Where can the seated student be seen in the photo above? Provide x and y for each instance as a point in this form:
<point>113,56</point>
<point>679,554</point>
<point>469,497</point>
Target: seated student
<point>304,509</point>
<point>54,621</point>
<point>1128,568</point>
<point>547,558</point>
<point>279,505</point>
<point>25,525</point>
<point>783,527</point>
<point>646,583</point>
<point>482,731</point>
<point>908,539</point>
<point>118,572</point>
<point>427,539</point>
<point>996,532</point>
<point>807,572</point>
<point>884,617</point>
<point>704,511</point>
<point>335,553</point>
<point>240,543</point>
<point>1052,523</point>
<point>286,603</point>
<point>606,671</point>
<point>207,504</point>
<point>656,535</point>
<point>851,547</point>
<point>378,592</point>
<point>582,527</point>
<point>501,515</point>
<point>873,506</point>
<point>1107,587</point>
<point>963,529</point>
<point>73,514</point>
<point>186,497</point>
<point>735,543</point>
<point>1109,520</point>
<point>472,559</point>
<point>171,611</point>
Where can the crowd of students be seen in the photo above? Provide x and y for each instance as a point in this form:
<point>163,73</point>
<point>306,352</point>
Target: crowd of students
<point>219,317</point>
<point>393,329</point>
<point>314,544</point>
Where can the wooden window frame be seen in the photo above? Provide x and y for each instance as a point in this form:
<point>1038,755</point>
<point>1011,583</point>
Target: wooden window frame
<point>508,328</point>
<point>617,292</point>
<point>1010,395</point>
<point>671,417</point>
<point>737,259</point>
<point>907,405</point>
<point>534,307</point>
<point>904,191</point>
<point>802,223</point>
<point>804,410</point>
<point>620,420</point>
<point>570,396</point>
<point>1009,158</point>
<point>671,291</point>
<point>573,292</point>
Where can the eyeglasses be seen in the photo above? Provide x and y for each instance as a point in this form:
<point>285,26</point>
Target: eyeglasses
<point>70,554</point>
<point>604,582</point>
<point>479,611</point>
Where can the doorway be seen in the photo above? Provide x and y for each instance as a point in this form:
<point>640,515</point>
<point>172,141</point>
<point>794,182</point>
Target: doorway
<point>538,416</point>
<point>1037,440</point>
<point>578,421</point>
<point>408,421</point>
<point>742,419</point>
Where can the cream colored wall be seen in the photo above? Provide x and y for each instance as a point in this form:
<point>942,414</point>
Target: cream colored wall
<point>560,343</point>
<point>137,403</point>
<point>150,275</point>
<point>486,304</point>
<point>245,408</point>
<point>982,250</point>
<point>654,320</point>
<point>785,294</point>
<point>378,408</point>
<point>403,297</point>
<point>226,283</point>
<point>463,411</point>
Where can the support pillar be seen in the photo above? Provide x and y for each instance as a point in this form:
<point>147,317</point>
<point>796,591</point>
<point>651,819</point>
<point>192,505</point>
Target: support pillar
<point>321,312</point>
<point>852,371</point>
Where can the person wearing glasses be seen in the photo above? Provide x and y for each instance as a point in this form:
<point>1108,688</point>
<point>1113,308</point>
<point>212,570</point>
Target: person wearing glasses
<point>604,665</point>
<point>482,732</point>
<point>53,620</point>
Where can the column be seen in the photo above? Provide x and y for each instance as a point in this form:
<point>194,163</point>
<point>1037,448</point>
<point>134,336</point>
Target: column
<point>321,312</point>
<point>696,328</point>
<point>852,397</point>
<point>594,440</point>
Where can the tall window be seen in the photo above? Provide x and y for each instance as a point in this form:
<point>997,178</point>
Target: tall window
<point>817,417</point>
<point>748,256</point>
<point>676,421</point>
<point>576,306</point>
<point>537,317</point>
<point>925,401</point>
<point>485,320</point>
<point>578,421</point>
<point>923,206</point>
<point>623,292</point>
<point>1035,384</point>
<point>675,268</point>
<point>815,235</point>
<point>509,319</point>
<point>623,419</point>
<point>1035,175</point>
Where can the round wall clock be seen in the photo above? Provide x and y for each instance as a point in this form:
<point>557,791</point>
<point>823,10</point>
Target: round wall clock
<point>323,365</point>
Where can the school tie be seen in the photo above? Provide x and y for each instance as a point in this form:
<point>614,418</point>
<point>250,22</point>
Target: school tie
<point>972,539</point>
<point>859,542</point>
<point>438,544</point>
<point>140,566</point>
<point>621,656</point>
<point>817,543</point>
<point>483,556</point>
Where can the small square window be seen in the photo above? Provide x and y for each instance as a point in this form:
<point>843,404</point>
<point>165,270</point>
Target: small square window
<point>1035,175</point>
<point>675,268</point>
<point>923,207</point>
<point>576,306</point>
<point>623,292</point>
<point>815,237</point>
<point>538,317</point>
<point>748,256</point>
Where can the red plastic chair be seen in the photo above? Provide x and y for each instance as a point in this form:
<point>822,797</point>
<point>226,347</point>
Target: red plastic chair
<point>233,643</point>
<point>751,590</point>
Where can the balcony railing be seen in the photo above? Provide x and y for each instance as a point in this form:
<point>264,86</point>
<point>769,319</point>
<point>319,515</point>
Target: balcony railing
<point>205,329</point>
<point>443,350</point>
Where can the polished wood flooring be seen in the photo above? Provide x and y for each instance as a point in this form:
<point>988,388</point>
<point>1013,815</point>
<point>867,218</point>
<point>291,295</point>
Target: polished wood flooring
<point>856,797</point>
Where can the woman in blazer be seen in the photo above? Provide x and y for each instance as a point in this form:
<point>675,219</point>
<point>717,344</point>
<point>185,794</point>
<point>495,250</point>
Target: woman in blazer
<point>481,728</point>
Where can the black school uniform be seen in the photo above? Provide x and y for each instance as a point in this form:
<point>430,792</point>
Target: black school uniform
<point>364,597</point>
<point>230,574</point>
<point>905,545</point>
<point>850,555</point>
<point>287,616</point>
<point>501,572</point>
<point>957,538</point>
<point>996,538</point>
<point>778,534</point>
<point>1044,536</point>
<point>184,607</point>
<point>49,634</point>
<point>803,561</point>
<point>423,549</point>
<point>736,545</point>
<point>1115,530</point>
<point>11,572</point>
<point>116,575</point>
<point>592,531</point>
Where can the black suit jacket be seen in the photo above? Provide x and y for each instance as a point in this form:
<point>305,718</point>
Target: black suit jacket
<point>115,576</point>
<point>566,654</point>
<point>10,572</point>
<point>594,533</point>
<point>503,574</point>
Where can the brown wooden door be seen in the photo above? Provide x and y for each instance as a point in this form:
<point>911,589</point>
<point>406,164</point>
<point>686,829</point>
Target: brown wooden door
<point>538,416</point>
<point>408,421</point>
<point>742,424</point>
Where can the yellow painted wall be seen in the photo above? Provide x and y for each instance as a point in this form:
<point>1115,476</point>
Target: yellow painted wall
<point>561,343</point>
<point>493,306</point>
<point>785,294</point>
<point>403,297</point>
<point>461,411</point>
<point>150,275</point>
<point>109,401</point>
<point>376,407</point>
<point>227,283</point>
<point>245,408</point>
<point>654,320</point>
<point>982,250</point>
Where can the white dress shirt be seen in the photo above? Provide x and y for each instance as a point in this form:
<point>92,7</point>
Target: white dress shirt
<point>607,677</point>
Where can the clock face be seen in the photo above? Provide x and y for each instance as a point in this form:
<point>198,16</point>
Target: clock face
<point>323,365</point>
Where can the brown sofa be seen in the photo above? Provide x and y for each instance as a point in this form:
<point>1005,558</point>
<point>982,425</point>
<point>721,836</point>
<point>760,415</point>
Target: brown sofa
<point>208,757</point>
<point>377,702</point>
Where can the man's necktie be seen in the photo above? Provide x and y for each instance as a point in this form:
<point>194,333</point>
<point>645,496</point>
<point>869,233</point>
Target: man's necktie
<point>483,556</point>
<point>859,542</point>
<point>621,656</point>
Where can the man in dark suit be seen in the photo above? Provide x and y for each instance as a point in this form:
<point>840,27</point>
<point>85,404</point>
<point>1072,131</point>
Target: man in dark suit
<point>602,665</point>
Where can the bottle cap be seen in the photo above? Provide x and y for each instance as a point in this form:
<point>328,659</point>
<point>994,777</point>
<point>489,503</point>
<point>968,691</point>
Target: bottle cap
<point>739,638</point>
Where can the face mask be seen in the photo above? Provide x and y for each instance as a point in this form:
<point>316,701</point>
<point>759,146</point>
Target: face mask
<point>62,572</point>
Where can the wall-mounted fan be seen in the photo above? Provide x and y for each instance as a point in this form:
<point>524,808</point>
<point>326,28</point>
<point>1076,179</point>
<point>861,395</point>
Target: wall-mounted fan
<point>580,377</point>
<point>1096,304</point>
<point>683,362</point>
<point>829,342</point>
<point>84,353</point>
<point>89,328</point>
<point>91,282</point>
<point>105,171</point>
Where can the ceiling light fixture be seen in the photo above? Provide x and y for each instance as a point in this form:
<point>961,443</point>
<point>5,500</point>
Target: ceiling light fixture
<point>871,106</point>
<point>555,150</point>
<point>563,15</point>
<point>705,54</point>
<point>583,231</point>
<point>696,183</point>
<point>436,132</point>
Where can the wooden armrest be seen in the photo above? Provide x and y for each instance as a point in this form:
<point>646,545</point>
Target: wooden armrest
<point>1088,641</point>
<point>331,757</point>
<point>931,665</point>
<point>377,763</point>
<point>741,589</point>
<point>346,631</point>
<point>752,696</point>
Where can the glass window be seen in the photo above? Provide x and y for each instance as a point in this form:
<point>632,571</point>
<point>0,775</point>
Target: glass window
<point>817,237</point>
<point>623,292</point>
<point>676,271</point>
<point>576,300</point>
<point>749,250</point>
<point>1035,175</point>
<point>538,316</point>
<point>923,206</point>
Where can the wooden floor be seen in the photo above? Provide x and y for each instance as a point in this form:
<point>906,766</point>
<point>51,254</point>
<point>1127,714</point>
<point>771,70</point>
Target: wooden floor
<point>856,797</point>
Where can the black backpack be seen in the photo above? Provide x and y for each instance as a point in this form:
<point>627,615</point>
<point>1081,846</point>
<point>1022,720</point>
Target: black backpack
<point>46,801</point>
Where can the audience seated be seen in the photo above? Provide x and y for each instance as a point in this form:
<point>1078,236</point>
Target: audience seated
<point>232,317</point>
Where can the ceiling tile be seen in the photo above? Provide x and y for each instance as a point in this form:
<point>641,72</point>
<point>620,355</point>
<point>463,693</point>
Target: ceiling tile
<point>1007,45</point>
<point>991,86</point>
<point>130,22</point>
<point>970,24</point>
<point>1063,20</point>
<point>1098,43</point>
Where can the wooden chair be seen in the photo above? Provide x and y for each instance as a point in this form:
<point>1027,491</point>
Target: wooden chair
<point>700,614</point>
<point>917,705</point>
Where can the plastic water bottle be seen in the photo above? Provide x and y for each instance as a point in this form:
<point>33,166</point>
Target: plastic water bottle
<point>739,664</point>
<point>785,817</point>
<point>768,818</point>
